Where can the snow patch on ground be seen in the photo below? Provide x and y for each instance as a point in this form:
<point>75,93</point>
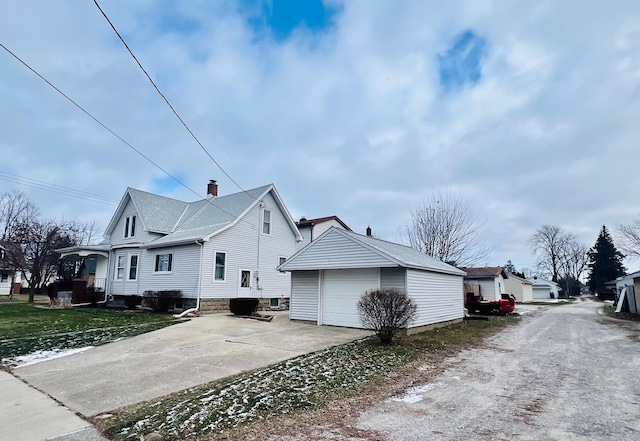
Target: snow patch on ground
<point>40,356</point>
<point>414,395</point>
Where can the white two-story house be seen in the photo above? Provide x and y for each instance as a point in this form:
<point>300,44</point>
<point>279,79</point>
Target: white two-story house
<point>211,250</point>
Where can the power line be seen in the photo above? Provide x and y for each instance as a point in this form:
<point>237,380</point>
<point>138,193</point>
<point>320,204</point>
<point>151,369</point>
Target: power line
<point>54,188</point>
<point>165,98</point>
<point>86,112</point>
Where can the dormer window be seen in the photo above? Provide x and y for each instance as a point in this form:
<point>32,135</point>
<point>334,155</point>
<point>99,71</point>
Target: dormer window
<point>130,226</point>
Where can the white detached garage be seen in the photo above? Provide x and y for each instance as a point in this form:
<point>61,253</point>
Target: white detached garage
<point>329,275</point>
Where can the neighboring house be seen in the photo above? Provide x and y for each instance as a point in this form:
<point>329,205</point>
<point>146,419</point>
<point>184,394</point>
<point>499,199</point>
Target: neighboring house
<point>313,228</point>
<point>520,288</point>
<point>630,285</point>
<point>491,280</point>
<point>213,249</point>
<point>543,289</point>
<point>6,275</point>
<point>329,275</point>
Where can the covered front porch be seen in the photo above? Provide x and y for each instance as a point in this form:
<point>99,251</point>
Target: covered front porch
<point>84,271</point>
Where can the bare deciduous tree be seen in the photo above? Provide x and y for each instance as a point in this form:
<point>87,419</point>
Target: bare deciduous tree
<point>629,235</point>
<point>30,242</point>
<point>15,208</point>
<point>445,227</point>
<point>385,312</point>
<point>549,244</point>
<point>575,258</point>
<point>31,251</point>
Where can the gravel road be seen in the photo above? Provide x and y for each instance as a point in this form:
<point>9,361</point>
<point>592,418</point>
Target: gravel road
<point>564,373</point>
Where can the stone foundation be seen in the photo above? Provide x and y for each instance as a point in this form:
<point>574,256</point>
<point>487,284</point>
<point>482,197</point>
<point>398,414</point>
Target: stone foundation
<point>265,305</point>
<point>214,305</point>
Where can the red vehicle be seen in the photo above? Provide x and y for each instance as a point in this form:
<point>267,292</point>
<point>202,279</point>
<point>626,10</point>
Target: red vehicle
<point>505,305</point>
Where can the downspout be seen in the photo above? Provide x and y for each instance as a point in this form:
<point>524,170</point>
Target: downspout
<point>197,308</point>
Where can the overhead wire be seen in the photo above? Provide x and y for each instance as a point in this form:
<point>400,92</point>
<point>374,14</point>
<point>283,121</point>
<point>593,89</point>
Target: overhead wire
<point>86,112</point>
<point>166,100</point>
<point>54,188</point>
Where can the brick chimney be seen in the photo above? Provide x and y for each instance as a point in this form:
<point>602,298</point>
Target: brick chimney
<point>369,231</point>
<point>212,188</point>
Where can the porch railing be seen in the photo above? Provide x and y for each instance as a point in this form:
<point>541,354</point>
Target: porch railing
<point>97,284</point>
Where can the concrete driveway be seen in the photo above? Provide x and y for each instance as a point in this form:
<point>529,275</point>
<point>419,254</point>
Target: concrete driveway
<point>175,358</point>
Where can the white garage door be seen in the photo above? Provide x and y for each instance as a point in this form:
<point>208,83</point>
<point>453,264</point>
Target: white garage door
<point>541,293</point>
<point>341,290</point>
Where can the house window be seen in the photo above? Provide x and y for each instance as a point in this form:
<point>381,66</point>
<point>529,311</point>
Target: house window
<point>163,263</point>
<point>220,266</point>
<point>130,226</point>
<point>4,278</point>
<point>133,267</point>
<point>274,303</point>
<point>266,222</point>
<point>120,262</point>
<point>281,260</point>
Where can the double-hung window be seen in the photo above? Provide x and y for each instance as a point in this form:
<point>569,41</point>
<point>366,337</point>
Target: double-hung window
<point>130,226</point>
<point>219,271</point>
<point>281,260</point>
<point>266,222</point>
<point>133,267</point>
<point>120,267</point>
<point>164,263</point>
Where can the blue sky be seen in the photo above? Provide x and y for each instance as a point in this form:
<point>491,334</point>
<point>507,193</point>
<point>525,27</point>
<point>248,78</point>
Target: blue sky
<point>352,108</point>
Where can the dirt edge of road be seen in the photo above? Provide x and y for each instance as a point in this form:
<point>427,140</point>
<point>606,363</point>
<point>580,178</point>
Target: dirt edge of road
<point>337,419</point>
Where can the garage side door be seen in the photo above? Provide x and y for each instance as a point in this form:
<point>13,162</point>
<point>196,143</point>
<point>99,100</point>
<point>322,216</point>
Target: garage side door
<point>341,290</point>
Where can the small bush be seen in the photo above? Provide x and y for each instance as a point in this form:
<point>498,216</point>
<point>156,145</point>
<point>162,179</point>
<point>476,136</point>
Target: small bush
<point>132,302</point>
<point>162,301</point>
<point>385,312</point>
<point>243,306</point>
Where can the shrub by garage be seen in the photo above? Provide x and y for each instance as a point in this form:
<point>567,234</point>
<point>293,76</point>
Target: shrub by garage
<point>244,306</point>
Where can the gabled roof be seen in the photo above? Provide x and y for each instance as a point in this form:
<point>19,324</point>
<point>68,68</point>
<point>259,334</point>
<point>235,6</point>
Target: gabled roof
<point>399,255</point>
<point>304,222</point>
<point>518,278</point>
<point>485,272</point>
<point>539,281</point>
<point>183,222</point>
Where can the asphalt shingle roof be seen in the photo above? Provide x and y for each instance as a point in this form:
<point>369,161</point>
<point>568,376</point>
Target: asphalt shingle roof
<point>183,221</point>
<point>405,255</point>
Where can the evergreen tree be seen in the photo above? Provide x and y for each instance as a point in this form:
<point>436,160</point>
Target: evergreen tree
<point>605,261</point>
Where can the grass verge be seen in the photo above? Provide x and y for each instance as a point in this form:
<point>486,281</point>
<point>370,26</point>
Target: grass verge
<point>27,328</point>
<point>228,407</point>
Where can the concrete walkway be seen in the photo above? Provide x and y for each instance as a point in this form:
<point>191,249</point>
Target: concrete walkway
<point>29,415</point>
<point>188,354</point>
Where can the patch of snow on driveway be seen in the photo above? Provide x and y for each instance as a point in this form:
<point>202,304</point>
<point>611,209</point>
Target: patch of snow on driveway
<point>413,395</point>
<point>39,356</point>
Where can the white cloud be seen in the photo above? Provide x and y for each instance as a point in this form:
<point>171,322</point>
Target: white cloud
<point>349,122</point>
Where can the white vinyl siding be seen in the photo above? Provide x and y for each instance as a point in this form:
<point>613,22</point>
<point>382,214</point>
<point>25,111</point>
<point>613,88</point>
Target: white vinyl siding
<point>141,236</point>
<point>336,251</point>
<point>185,265</point>
<point>439,296</point>
<point>304,295</point>
<point>488,288</point>
<point>341,290</point>
<point>249,249</point>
